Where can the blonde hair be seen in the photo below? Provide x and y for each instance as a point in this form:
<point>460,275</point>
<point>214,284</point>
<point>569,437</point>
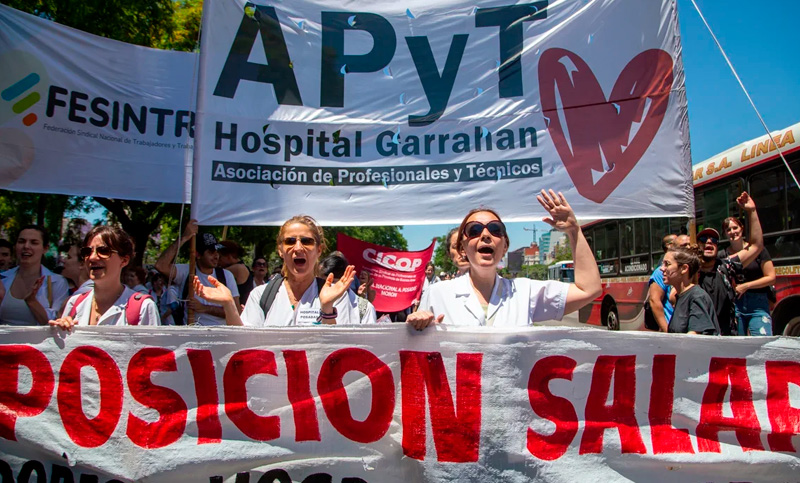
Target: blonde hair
<point>316,230</point>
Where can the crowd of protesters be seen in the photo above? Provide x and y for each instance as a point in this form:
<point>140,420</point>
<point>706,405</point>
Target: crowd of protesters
<point>695,289</point>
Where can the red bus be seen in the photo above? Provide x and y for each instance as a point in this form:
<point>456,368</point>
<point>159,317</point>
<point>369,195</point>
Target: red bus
<point>628,250</point>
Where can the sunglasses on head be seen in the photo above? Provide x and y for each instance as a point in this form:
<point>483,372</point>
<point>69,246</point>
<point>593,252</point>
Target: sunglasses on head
<point>102,252</point>
<point>703,239</point>
<point>473,229</point>
<point>306,241</point>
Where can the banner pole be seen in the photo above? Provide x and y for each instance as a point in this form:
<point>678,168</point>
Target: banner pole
<point>190,279</point>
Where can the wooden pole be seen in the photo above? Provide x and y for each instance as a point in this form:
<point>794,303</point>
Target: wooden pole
<point>190,279</point>
<point>224,232</point>
<point>693,230</point>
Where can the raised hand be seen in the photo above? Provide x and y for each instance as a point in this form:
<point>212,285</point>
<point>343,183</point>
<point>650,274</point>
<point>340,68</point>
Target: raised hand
<point>330,292</point>
<point>746,202</point>
<point>190,230</point>
<point>562,218</point>
<point>422,318</point>
<point>31,296</point>
<point>218,294</point>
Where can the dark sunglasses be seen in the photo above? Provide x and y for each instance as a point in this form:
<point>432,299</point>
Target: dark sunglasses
<point>102,252</point>
<point>259,264</point>
<point>306,241</point>
<point>704,239</point>
<point>473,229</point>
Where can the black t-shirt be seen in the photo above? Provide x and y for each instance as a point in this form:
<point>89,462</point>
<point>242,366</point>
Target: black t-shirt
<point>754,272</point>
<point>712,282</point>
<point>694,312</point>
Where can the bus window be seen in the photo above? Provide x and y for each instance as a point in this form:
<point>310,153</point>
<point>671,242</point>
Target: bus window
<point>777,199</point>
<point>715,204</point>
<point>606,241</point>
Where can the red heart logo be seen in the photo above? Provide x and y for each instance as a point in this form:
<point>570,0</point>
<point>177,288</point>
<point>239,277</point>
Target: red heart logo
<point>586,127</point>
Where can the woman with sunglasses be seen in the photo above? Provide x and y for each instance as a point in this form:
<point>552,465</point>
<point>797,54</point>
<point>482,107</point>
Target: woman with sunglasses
<point>259,272</point>
<point>484,298</point>
<point>301,298</point>
<point>106,251</point>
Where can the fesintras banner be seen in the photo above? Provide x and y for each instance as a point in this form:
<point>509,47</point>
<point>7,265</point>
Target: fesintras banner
<point>397,276</point>
<point>415,112</point>
<point>390,404</point>
<point>85,115</point>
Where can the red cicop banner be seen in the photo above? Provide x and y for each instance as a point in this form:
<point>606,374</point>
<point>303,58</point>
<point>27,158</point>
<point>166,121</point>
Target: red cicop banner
<point>397,276</point>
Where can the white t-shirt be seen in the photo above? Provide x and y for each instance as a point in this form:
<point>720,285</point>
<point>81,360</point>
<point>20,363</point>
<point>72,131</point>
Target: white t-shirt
<point>115,315</point>
<point>517,302</point>
<point>182,270</point>
<point>307,311</point>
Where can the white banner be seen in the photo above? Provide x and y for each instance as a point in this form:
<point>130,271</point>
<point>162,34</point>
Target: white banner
<point>387,112</point>
<point>85,115</point>
<point>390,404</point>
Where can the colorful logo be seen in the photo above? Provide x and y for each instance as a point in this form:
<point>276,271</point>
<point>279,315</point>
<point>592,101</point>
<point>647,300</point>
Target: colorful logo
<point>17,90</point>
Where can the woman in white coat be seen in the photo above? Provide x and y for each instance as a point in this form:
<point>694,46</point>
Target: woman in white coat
<point>483,298</point>
<point>106,251</point>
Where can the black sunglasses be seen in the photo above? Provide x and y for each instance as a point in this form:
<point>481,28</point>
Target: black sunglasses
<point>102,252</point>
<point>306,241</point>
<point>704,239</point>
<point>473,229</point>
<point>259,264</point>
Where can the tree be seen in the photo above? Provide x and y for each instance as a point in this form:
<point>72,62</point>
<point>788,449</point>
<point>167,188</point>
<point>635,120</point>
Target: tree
<point>563,252</point>
<point>140,22</point>
<point>20,209</point>
<point>441,256</point>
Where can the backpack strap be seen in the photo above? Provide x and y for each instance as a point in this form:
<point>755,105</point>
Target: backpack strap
<point>49,292</point>
<point>273,285</point>
<point>134,307</point>
<point>80,298</point>
<point>219,274</point>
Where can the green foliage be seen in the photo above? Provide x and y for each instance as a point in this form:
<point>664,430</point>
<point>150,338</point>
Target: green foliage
<point>140,22</point>
<point>186,26</point>
<point>535,272</point>
<point>441,256</point>
<point>20,209</point>
<point>563,253</point>
<point>387,236</point>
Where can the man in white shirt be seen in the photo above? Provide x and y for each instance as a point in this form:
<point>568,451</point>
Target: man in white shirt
<point>207,258</point>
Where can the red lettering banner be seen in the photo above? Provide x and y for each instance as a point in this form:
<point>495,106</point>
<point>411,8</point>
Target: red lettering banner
<point>391,404</point>
<point>397,276</point>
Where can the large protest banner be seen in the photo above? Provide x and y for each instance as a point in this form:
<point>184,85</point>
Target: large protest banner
<point>414,112</point>
<point>85,115</point>
<point>397,276</point>
<point>390,404</point>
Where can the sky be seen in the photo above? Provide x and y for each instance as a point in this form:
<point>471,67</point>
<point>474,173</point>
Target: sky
<point>760,39</point>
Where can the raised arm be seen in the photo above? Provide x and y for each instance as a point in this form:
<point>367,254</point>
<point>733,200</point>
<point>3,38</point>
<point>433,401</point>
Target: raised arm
<point>587,277</point>
<point>164,262</point>
<point>756,238</point>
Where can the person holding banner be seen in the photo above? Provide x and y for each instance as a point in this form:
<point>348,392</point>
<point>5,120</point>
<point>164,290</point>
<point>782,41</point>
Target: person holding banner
<point>33,293</point>
<point>483,298</point>
<point>693,311</point>
<point>106,251</point>
<point>296,296</point>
